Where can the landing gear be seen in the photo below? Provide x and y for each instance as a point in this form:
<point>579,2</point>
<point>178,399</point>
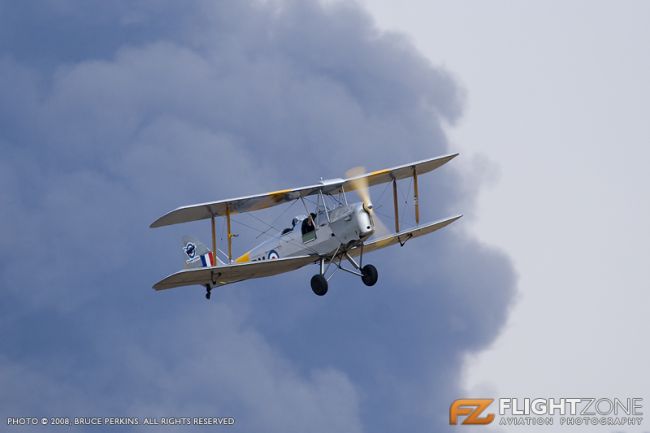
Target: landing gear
<point>319,284</point>
<point>208,289</point>
<point>318,281</point>
<point>369,275</point>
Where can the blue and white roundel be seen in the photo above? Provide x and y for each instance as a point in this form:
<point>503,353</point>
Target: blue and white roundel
<point>273,255</point>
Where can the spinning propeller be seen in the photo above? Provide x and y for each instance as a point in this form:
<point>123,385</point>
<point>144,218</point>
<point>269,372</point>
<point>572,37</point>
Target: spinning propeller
<point>360,185</point>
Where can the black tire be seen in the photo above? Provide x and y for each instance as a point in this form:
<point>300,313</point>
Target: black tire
<point>319,284</point>
<point>370,275</point>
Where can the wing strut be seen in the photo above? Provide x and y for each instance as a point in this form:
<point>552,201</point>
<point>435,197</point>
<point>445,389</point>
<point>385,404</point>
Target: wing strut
<point>229,234</point>
<point>416,197</point>
<point>214,240</point>
<point>395,206</point>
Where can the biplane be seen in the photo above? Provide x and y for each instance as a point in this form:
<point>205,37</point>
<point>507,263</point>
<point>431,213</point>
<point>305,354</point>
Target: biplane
<point>327,235</point>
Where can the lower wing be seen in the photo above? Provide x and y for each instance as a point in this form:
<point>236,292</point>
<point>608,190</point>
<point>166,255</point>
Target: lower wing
<point>404,236</point>
<point>220,275</point>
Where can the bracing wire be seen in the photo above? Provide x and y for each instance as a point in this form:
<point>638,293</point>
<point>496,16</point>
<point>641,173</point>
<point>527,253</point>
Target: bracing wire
<point>270,226</point>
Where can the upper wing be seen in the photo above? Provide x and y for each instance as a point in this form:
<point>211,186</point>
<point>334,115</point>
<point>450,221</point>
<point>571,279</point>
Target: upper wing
<point>262,201</point>
<point>239,205</point>
<point>231,273</point>
<point>399,172</point>
<point>404,236</point>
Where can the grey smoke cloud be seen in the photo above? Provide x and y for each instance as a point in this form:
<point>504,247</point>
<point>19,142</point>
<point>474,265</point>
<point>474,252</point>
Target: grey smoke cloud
<point>112,114</point>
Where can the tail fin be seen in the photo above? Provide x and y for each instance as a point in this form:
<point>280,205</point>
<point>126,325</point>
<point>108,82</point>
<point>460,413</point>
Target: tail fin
<point>197,255</point>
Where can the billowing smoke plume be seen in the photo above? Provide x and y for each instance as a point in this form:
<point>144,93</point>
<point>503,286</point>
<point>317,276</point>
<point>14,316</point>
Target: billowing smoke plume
<point>112,113</point>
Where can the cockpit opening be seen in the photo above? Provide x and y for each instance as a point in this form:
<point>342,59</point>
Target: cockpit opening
<point>308,229</point>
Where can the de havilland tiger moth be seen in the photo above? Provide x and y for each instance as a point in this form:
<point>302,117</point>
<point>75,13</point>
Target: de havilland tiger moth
<point>325,236</point>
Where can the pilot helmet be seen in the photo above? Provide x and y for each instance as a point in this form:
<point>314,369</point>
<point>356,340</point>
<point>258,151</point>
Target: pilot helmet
<point>297,219</point>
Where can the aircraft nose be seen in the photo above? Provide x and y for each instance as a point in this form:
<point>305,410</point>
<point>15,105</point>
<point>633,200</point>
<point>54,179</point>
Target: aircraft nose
<point>364,222</point>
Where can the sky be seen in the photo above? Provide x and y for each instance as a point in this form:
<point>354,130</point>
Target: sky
<point>111,114</point>
<point>557,100</point>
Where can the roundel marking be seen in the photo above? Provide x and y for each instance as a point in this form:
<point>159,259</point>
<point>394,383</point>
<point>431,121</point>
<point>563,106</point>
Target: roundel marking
<point>273,255</point>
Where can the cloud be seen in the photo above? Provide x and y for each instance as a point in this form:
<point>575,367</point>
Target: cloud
<point>112,116</point>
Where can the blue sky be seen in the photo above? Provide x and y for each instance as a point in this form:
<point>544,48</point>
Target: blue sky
<point>113,113</point>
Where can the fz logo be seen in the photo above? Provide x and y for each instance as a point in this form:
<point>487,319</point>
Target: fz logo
<point>471,410</point>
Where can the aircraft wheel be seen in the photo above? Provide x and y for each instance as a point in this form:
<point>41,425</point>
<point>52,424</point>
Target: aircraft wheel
<point>208,291</point>
<point>370,275</point>
<point>319,284</point>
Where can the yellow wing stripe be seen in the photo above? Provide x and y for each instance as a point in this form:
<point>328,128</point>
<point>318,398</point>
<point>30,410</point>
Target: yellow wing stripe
<point>373,173</point>
<point>279,192</point>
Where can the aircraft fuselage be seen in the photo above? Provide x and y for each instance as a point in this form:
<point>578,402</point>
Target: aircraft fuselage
<point>338,228</point>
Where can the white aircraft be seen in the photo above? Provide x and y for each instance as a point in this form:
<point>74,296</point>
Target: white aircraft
<point>325,236</point>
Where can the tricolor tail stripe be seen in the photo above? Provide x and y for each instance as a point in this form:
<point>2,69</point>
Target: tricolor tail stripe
<point>207,260</point>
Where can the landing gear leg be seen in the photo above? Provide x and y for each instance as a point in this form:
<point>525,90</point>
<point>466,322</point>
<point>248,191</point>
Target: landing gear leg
<point>319,282</point>
<point>208,290</point>
<point>369,274</point>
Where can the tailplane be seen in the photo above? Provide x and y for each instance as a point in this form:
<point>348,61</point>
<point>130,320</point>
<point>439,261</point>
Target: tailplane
<point>197,255</point>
